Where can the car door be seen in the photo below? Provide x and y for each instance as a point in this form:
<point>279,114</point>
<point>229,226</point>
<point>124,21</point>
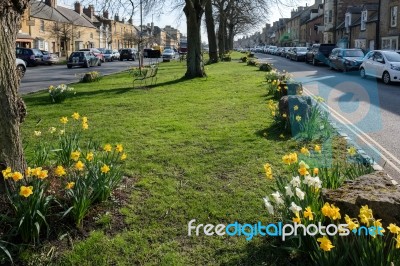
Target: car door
<point>379,64</point>
<point>368,64</point>
<point>333,58</point>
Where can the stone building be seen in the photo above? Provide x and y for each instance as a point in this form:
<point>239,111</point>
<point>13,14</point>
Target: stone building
<point>389,28</point>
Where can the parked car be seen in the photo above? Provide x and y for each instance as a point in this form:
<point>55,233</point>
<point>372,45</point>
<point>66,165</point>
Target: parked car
<point>96,52</point>
<point>32,57</point>
<point>319,53</point>
<point>83,59</point>
<point>346,59</point>
<point>128,54</point>
<point>21,67</point>
<point>111,55</point>
<point>298,53</point>
<point>381,64</point>
<point>49,58</point>
<point>168,55</point>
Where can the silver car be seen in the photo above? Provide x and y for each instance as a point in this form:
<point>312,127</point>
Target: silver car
<point>168,55</point>
<point>21,67</point>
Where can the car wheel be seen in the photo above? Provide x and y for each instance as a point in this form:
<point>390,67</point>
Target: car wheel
<point>297,59</point>
<point>386,77</point>
<point>20,71</point>
<point>362,73</point>
<point>120,59</point>
<point>86,64</point>
<point>314,62</point>
<point>69,66</point>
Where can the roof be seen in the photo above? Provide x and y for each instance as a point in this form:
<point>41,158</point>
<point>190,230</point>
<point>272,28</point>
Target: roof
<point>43,11</point>
<point>354,9</point>
<point>371,7</point>
<point>93,19</point>
<point>74,17</point>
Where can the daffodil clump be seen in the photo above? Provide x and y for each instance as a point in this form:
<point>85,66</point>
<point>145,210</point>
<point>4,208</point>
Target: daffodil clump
<point>298,200</point>
<point>59,93</point>
<point>72,177</point>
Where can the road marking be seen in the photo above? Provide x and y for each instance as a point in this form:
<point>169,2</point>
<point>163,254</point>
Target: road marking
<point>360,134</point>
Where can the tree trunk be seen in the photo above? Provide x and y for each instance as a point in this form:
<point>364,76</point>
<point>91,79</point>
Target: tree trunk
<point>12,108</point>
<point>230,36</point>
<point>221,34</point>
<point>194,10</point>
<point>212,39</point>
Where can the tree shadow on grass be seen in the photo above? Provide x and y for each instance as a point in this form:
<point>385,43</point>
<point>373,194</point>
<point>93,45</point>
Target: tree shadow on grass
<point>275,132</point>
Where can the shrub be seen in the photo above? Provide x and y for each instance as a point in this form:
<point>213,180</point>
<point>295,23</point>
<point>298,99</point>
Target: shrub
<point>91,77</point>
<point>60,93</point>
<point>252,62</point>
<point>265,67</point>
<point>244,59</point>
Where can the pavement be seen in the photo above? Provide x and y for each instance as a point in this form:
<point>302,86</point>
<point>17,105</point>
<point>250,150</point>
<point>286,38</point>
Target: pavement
<point>366,110</point>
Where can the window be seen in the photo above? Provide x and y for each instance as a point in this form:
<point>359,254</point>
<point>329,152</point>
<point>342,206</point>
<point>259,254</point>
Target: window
<point>330,16</point>
<point>91,35</point>
<point>393,16</point>
<point>390,43</point>
<point>364,17</point>
<point>42,25</point>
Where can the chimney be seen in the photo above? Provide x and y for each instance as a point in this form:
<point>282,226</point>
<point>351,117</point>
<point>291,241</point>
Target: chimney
<point>105,14</point>
<point>78,8</point>
<point>89,11</point>
<point>116,17</point>
<point>51,3</point>
<point>130,21</point>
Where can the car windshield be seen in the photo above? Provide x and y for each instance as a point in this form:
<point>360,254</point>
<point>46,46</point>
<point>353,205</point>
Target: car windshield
<point>301,49</point>
<point>108,52</point>
<point>353,53</point>
<point>168,51</point>
<point>392,56</point>
<point>77,54</point>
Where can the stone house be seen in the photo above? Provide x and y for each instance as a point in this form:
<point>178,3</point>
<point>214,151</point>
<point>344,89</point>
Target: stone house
<point>314,26</point>
<point>389,27</point>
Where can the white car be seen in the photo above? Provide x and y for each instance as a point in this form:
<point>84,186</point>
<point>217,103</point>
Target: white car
<point>21,67</point>
<point>381,64</point>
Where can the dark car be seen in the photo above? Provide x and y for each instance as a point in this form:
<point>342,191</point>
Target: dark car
<point>128,54</point>
<point>346,59</point>
<point>96,52</point>
<point>298,53</point>
<point>319,53</point>
<point>83,59</point>
<point>32,57</point>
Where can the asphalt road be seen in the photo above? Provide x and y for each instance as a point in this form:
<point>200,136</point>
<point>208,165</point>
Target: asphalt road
<point>41,77</point>
<point>365,109</point>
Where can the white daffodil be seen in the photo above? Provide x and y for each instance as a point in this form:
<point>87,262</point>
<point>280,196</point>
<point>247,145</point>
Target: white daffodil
<point>289,191</point>
<point>294,208</point>
<point>268,205</point>
<point>295,182</point>
<point>300,193</point>
<point>277,198</point>
<point>317,183</point>
<point>308,180</point>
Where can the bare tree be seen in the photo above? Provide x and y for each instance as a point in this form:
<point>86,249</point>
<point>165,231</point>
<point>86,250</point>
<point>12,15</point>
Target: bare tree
<point>65,33</point>
<point>12,108</point>
<point>212,39</point>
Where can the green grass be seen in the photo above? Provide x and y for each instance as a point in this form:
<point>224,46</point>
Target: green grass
<point>197,148</point>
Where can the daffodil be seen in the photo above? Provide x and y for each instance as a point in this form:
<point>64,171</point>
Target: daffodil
<point>298,118</point>
<point>79,166</point>
<point>317,148</point>
<point>64,120</point>
<point>277,198</point>
<point>43,174</point>
<point>52,130</point>
<point>296,107</point>
<point>36,171</point>
<point>315,171</point>
<point>16,176</point>
<point>25,191</point>
<point>282,136</point>
<point>38,133</point>
<point>296,219</point>
<point>90,156</point>
<point>300,194</point>
<point>28,172</point>
<point>75,116</point>
<point>105,169</point>
<point>85,126</point>
<point>62,132</point>
<point>6,173</point>
<point>352,151</point>
<point>119,148</point>
<point>305,151</point>
<point>393,228</point>
<point>397,241</point>
<point>75,155</point>
<point>288,191</point>
<point>123,157</point>
<point>284,115</point>
<point>107,148</point>
<point>70,185</point>
<point>295,182</point>
<point>351,223</point>
<point>308,213</point>
<point>268,205</point>
<point>303,171</point>
<point>60,171</point>
<point>331,211</point>
<point>295,208</point>
<point>366,215</point>
<point>268,170</point>
<point>325,243</point>
<point>84,119</point>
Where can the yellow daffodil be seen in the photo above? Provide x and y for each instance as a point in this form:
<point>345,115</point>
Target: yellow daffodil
<point>305,151</point>
<point>268,170</point>
<point>298,118</point>
<point>303,171</point>
<point>60,171</point>
<point>296,107</point>
<point>43,174</point>
<point>351,223</point>
<point>331,211</point>
<point>62,132</point>
<point>79,166</point>
<point>75,116</point>
<point>393,228</point>
<point>297,219</point>
<point>365,215</point>
<point>123,157</point>
<point>105,169</point>
<point>293,157</point>
<point>317,148</point>
<point>38,133</point>
<point>352,151</point>
<point>90,156</point>
<point>25,191</point>
<point>6,173</point>
<point>16,176</point>
<point>52,130</point>
<point>70,185</point>
<point>84,119</point>
<point>85,126</point>
<point>107,147</point>
<point>28,172</point>
<point>325,243</point>
<point>315,171</point>
<point>64,120</point>
<point>397,241</point>
<point>284,115</point>
<point>308,214</point>
<point>75,155</point>
<point>36,171</point>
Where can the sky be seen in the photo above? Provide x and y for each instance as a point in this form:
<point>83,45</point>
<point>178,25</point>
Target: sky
<point>174,19</point>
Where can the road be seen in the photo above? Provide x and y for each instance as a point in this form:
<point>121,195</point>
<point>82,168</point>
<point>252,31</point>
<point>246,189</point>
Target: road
<point>367,110</point>
<point>41,77</point>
